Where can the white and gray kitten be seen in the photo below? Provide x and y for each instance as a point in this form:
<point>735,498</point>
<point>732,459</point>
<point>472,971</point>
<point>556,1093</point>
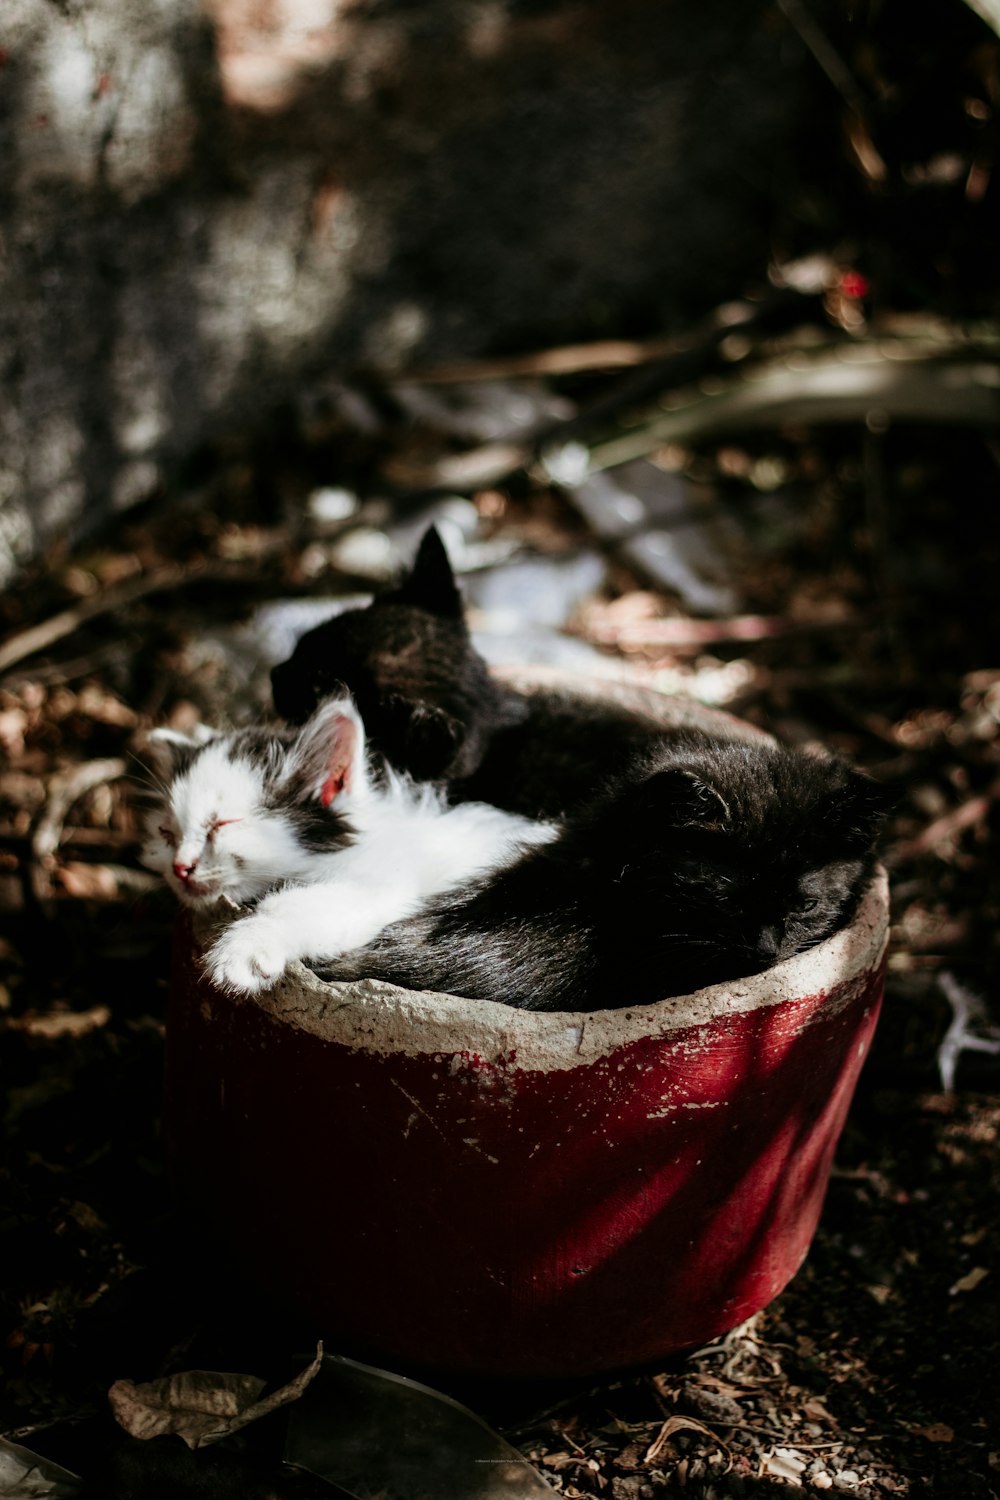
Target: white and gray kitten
<point>331,847</point>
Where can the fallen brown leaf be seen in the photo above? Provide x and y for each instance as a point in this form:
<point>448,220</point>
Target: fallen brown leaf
<point>200,1406</point>
<point>88,882</point>
<point>59,1023</point>
<point>970,1281</point>
<point>666,1432</point>
<point>815,1409</point>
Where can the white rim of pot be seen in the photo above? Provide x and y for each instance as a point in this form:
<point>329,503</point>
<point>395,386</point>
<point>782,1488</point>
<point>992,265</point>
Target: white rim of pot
<point>372,1016</point>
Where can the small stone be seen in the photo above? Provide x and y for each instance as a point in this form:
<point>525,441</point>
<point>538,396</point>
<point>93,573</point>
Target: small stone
<point>711,1405</point>
<point>366,553</point>
<point>331,504</point>
<point>822,1481</point>
<point>786,1464</point>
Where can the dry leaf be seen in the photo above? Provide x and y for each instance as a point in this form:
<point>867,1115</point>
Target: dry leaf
<point>937,1432</point>
<point>97,703</point>
<point>88,882</point>
<point>666,1432</point>
<point>87,1218</point>
<point>969,1282</point>
<point>59,1023</point>
<point>27,1476</point>
<point>13,724</point>
<point>724,1387</point>
<point>815,1409</point>
<point>201,1406</point>
<point>559,1460</point>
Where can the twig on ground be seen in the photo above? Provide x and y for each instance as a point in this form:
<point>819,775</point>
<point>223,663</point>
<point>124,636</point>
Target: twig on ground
<point>163,580</point>
<point>64,790</point>
<point>61,672</point>
<point>570,359</point>
<point>57,627</point>
<point>665,364</point>
<point>634,635</point>
<point>966,1007</point>
<point>899,379</point>
<point>105,882</point>
<point>944,828</point>
<point>680,1424</point>
<point>839,74</point>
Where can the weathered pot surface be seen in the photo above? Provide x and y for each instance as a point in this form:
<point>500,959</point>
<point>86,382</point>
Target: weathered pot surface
<point>459,1184</point>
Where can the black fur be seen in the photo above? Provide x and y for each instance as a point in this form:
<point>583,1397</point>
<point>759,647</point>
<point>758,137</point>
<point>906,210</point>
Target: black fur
<point>430,706</point>
<point>713,861</point>
<point>686,860</point>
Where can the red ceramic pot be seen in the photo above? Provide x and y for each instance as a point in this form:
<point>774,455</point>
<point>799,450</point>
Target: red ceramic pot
<point>459,1184</point>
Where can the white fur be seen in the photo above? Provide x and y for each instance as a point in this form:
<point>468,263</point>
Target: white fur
<point>409,847</point>
<point>243,858</point>
<point>409,852</point>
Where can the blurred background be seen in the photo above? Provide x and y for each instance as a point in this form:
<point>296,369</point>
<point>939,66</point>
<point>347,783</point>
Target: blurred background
<point>683,325</point>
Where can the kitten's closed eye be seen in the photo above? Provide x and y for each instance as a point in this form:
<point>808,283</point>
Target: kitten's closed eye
<point>245,810</point>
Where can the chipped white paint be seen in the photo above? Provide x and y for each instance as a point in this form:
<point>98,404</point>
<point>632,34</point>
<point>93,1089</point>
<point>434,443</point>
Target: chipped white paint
<point>371,1016</point>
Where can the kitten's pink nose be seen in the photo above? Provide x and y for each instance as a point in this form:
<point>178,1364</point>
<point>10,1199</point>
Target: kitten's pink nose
<point>183,871</point>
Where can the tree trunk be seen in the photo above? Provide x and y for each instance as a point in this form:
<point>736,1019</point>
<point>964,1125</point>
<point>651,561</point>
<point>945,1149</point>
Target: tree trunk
<point>201,208</point>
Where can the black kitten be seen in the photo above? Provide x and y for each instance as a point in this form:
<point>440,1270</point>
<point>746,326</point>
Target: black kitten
<point>687,859</point>
<point>709,861</point>
<point>432,709</point>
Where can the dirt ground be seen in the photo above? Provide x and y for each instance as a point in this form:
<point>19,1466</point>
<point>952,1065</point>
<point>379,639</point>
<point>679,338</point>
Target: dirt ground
<point>874,558</point>
<point>841,550</point>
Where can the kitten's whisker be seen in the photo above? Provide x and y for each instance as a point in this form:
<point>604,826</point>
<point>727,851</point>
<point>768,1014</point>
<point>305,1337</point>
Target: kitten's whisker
<point>151,778</point>
<point>716,939</point>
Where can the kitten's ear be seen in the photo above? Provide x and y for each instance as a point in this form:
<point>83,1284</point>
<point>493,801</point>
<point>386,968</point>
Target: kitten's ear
<point>682,798</point>
<point>327,758</point>
<point>172,751</point>
<point>430,584</point>
<point>429,737</point>
<point>859,806</point>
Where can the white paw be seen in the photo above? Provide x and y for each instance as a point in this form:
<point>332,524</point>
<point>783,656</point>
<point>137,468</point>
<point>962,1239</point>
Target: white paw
<point>250,956</point>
